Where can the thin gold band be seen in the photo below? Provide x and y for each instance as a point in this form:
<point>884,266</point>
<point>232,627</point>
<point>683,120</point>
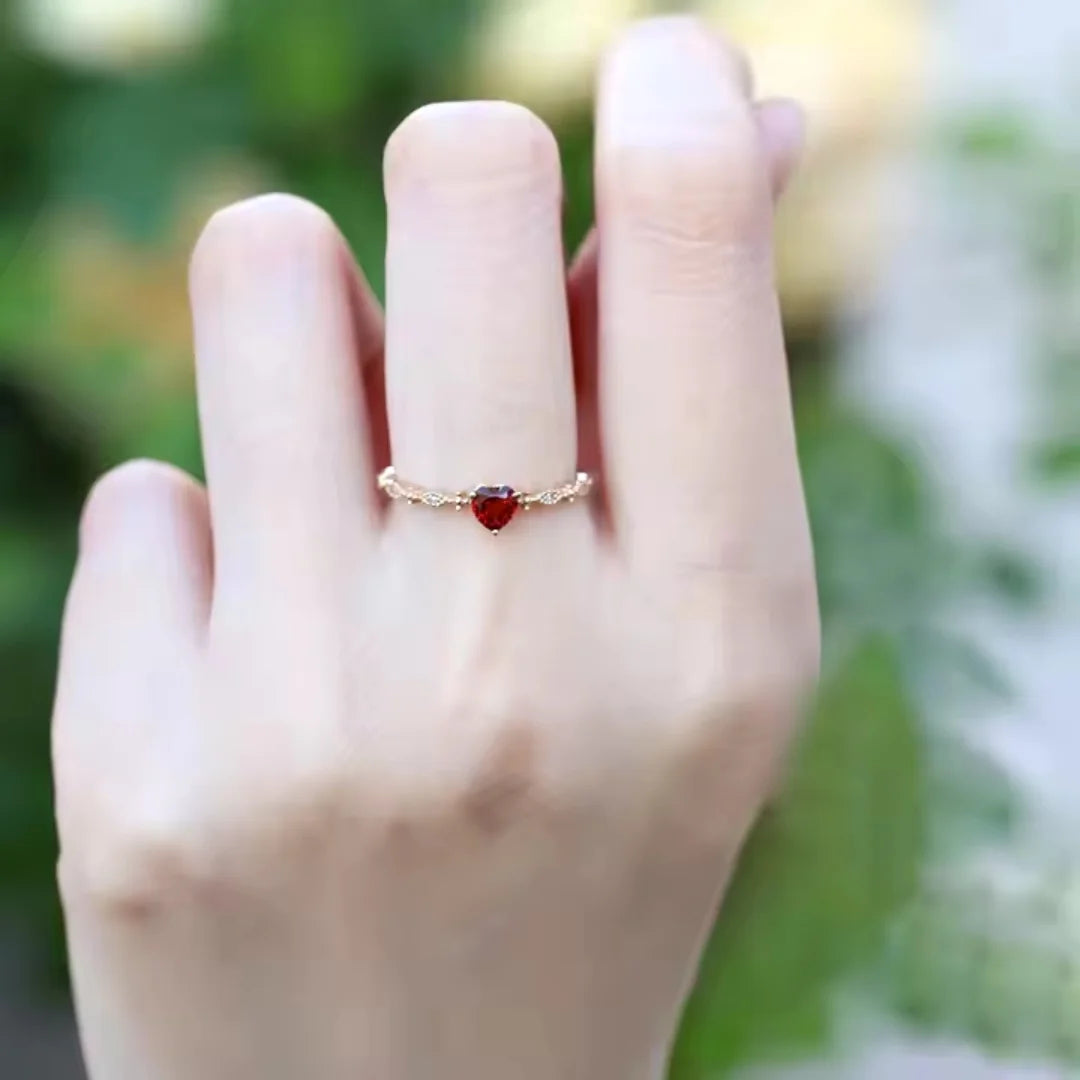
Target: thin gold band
<point>396,488</point>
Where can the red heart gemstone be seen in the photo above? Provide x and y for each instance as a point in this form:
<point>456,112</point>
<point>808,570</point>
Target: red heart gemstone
<point>493,507</point>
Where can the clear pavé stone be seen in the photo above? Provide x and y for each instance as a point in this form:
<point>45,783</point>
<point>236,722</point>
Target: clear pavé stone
<point>433,498</point>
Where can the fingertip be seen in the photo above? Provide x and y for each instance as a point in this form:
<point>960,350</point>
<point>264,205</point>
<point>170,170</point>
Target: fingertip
<point>145,532</point>
<point>691,35</point>
<point>274,237</point>
<point>139,494</point>
<point>469,143</point>
<point>669,79</point>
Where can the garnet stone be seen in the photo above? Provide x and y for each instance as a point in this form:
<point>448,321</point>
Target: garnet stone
<point>493,507</point>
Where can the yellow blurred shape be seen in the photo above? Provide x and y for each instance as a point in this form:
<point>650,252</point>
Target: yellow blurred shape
<point>114,293</point>
<point>854,64</point>
<point>544,53</point>
<point>857,66</point>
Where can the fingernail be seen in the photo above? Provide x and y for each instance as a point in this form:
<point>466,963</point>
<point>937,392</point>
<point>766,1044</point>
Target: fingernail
<point>667,79</point>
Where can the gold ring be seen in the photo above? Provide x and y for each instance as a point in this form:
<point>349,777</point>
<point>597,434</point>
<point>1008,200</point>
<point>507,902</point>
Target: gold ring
<point>493,505</point>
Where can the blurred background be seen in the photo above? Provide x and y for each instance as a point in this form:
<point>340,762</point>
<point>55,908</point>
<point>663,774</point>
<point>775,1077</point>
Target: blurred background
<point>911,907</point>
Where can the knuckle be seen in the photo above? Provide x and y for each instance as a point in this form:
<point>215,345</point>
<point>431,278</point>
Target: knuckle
<point>267,227</point>
<point>760,639</point>
<point>304,812</point>
<point>738,705</point>
<point>473,145</point>
<point>135,865</point>
<point>133,872</point>
<point>741,711</point>
<point>477,789</point>
<point>720,763</point>
<point>795,619</point>
<point>502,786</point>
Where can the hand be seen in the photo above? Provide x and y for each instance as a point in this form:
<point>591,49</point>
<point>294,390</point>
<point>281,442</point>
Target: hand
<point>348,790</point>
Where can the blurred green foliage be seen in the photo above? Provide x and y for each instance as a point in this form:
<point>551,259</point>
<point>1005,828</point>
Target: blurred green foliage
<point>302,96</point>
<point>823,875</point>
<point>1032,177</point>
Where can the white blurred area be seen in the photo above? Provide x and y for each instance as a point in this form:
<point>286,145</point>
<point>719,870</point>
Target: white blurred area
<point>948,359</point>
<point>943,356</point>
<point>893,1058</point>
<point>113,35</point>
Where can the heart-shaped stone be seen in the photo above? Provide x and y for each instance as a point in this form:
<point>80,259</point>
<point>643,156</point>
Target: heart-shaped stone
<point>493,507</point>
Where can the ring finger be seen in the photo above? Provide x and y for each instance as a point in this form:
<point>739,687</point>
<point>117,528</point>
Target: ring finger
<point>479,375</point>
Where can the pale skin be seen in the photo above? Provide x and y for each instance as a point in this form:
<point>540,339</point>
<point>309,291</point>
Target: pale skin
<point>351,790</point>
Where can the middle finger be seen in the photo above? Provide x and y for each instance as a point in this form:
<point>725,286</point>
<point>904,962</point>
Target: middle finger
<point>479,376</point>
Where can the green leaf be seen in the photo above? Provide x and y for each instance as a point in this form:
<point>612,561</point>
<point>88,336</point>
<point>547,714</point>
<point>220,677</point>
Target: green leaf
<point>299,61</point>
<point>992,134</point>
<point>973,797</point>
<point>1057,462</point>
<point>820,879</point>
<point>1014,578</point>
